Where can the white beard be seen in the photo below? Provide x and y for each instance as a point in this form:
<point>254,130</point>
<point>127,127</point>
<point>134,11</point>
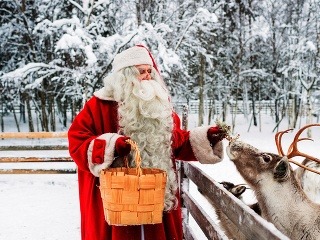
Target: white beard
<point>145,113</point>
<point>152,100</point>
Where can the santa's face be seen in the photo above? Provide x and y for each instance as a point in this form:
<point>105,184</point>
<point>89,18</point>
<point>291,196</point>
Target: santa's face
<point>144,72</point>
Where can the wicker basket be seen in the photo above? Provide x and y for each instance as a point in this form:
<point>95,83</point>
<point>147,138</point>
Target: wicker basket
<point>133,196</point>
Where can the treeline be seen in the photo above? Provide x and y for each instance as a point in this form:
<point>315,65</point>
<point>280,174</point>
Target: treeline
<point>55,53</point>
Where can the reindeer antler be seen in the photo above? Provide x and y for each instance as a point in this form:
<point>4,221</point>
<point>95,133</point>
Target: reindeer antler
<point>278,138</point>
<point>293,150</point>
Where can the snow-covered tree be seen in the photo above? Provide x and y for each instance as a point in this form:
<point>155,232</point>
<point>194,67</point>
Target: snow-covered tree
<point>55,53</point>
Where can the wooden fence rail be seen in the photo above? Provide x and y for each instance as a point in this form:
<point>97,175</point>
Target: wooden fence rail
<point>34,149</point>
<point>32,135</point>
<point>244,218</point>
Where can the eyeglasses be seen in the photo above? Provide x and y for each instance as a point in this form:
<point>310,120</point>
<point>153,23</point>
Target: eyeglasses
<point>144,71</point>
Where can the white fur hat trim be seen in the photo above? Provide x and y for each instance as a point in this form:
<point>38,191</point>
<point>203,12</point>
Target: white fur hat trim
<point>131,57</point>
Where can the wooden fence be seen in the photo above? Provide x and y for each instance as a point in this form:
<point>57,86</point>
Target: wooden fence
<point>245,219</point>
<point>265,107</point>
<point>15,149</point>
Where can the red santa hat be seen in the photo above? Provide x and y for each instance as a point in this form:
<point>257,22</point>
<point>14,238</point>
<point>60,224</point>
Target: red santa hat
<point>136,55</point>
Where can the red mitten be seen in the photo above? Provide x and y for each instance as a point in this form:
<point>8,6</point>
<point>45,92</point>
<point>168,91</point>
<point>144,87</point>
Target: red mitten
<point>215,134</point>
<point>122,148</point>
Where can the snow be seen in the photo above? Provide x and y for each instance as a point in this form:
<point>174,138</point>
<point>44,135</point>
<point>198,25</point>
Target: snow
<point>68,41</point>
<point>20,72</point>
<point>39,206</point>
<point>46,206</point>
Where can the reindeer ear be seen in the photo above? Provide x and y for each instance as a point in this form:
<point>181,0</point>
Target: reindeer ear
<point>280,172</point>
<point>238,190</point>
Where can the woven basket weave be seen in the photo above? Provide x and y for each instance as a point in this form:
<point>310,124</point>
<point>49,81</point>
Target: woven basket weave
<point>133,196</point>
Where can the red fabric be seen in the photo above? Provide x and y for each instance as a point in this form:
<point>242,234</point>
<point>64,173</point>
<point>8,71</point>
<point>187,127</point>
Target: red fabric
<point>98,117</point>
<point>215,134</point>
<point>122,148</point>
<point>98,151</point>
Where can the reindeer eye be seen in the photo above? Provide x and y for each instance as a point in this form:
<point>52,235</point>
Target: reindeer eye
<point>266,158</point>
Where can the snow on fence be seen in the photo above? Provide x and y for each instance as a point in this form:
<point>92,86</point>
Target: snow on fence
<point>244,218</point>
<point>40,153</point>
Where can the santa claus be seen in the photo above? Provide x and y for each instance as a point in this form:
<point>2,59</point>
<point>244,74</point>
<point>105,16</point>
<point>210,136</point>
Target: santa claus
<point>134,103</point>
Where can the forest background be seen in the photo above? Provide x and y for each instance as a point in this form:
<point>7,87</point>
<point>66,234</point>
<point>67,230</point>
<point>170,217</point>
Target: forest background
<point>228,56</point>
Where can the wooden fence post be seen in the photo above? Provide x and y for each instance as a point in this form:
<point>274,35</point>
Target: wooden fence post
<point>183,180</point>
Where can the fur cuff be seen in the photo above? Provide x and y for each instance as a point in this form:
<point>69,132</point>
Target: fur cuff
<point>201,146</point>
<point>108,155</point>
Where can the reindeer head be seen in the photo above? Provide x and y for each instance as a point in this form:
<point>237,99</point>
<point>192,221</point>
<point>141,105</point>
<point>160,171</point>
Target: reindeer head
<point>252,163</point>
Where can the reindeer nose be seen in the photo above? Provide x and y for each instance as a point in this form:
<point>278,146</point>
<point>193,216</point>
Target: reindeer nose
<point>236,146</point>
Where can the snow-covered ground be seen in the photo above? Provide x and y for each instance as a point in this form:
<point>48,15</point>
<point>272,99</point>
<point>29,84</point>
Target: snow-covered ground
<point>39,206</point>
<point>46,207</point>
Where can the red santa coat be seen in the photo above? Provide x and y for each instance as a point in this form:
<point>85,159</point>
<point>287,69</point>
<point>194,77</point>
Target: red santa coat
<point>98,117</point>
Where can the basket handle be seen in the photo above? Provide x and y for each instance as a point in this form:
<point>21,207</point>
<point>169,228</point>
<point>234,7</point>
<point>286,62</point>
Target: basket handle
<point>137,157</point>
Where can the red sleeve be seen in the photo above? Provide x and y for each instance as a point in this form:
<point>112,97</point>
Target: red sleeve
<point>80,134</point>
<point>96,118</point>
<point>181,146</point>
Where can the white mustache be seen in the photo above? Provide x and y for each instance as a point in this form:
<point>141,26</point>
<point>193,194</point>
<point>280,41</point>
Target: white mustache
<point>149,89</point>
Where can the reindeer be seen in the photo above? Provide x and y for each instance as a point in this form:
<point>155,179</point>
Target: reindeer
<point>281,199</point>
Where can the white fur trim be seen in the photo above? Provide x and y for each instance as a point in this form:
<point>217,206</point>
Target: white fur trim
<point>201,146</point>
<point>108,157</point>
<point>101,94</point>
<point>131,57</point>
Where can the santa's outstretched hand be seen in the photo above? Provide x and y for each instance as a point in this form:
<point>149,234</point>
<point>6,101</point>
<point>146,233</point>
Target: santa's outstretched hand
<point>217,133</point>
